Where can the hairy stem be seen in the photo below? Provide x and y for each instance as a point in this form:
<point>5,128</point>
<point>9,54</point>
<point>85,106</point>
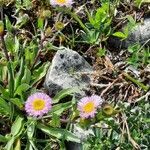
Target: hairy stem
<point>2,37</point>
<point>144,87</point>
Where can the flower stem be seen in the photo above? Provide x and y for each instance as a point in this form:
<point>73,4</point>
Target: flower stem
<point>144,87</point>
<point>73,15</point>
<point>2,37</point>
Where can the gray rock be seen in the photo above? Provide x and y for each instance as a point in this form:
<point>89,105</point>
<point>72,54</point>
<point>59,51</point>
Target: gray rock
<point>66,71</point>
<point>140,34</point>
<point>69,70</point>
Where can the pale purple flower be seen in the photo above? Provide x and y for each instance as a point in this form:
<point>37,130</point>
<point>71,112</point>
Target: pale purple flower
<point>38,104</point>
<point>87,106</point>
<point>61,3</point>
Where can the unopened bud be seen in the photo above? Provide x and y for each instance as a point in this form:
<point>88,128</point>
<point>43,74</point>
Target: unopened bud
<point>1,28</point>
<point>48,31</point>
<point>1,2</point>
<point>59,25</point>
<point>108,109</point>
<point>46,14</point>
<point>61,38</point>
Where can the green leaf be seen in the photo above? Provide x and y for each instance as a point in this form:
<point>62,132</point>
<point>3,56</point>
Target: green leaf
<point>59,108</point>
<point>17,44</point>
<point>10,143</point>
<point>9,41</point>
<point>55,121</point>
<point>133,48</point>
<point>3,139</point>
<point>22,88</point>
<point>100,14</point>
<point>3,69</point>
<point>131,20</point>
<point>27,76</point>
<point>11,79</point>
<point>29,55</point>
<point>40,23</point>
<point>64,93</point>
<point>20,74</point>
<point>17,126</point>
<point>4,92</point>
<point>29,146</point>
<point>39,73</point>
<point>146,120</point>
<point>120,35</point>
<point>30,132</point>
<point>31,129</point>
<point>4,106</point>
<point>22,20</point>
<point>58,133</point>
<point>101,52</point>
<point>17,102</point>
<point>8,24</point>
<point>27,4</point>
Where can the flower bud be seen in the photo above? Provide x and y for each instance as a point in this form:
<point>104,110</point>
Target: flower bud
<point>48,32</point>
<point>1,2</point>
<point>108,109</point>
<point>61,38</point>
<point>45,14</point>
<point>59,25</point>
<point>1,28</point>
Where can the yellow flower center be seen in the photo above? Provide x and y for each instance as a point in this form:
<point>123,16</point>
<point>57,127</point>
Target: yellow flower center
<point>61,1</point>
<point>38,104</point>
<point>89,107</point>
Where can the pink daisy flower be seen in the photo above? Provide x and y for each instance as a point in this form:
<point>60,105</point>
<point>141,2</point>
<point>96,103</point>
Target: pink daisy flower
<point>87,106</point>
<point>61,3</point>
<point>38,104</point>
